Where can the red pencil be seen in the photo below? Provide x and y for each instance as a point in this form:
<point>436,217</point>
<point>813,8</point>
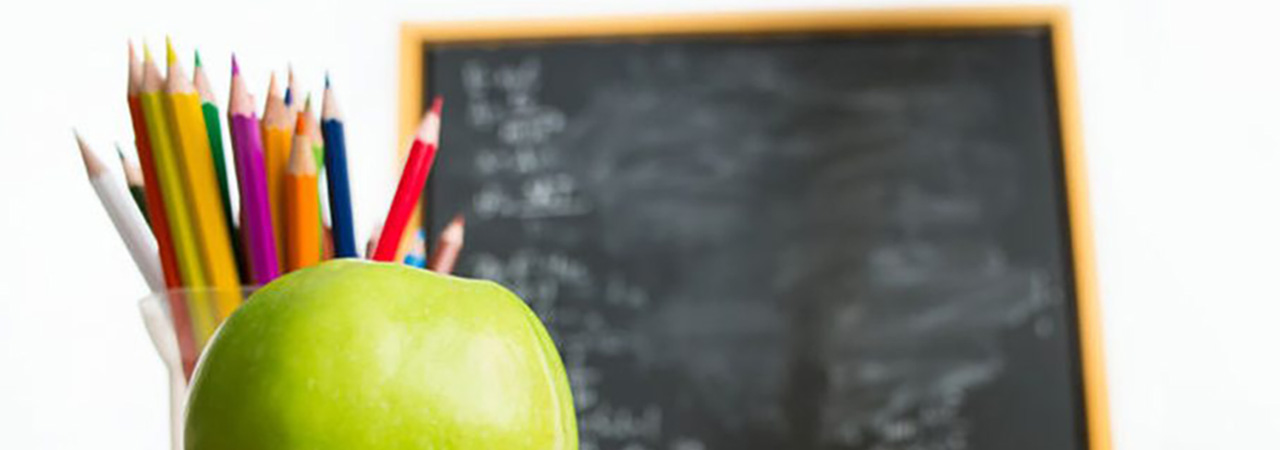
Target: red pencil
<point>416,168</point>
<point>159,221</point>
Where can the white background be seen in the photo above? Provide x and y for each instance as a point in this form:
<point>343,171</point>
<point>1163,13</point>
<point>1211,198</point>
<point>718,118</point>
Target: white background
<point>1180,117</point>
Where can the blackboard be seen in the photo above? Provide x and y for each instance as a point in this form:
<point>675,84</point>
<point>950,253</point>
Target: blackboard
<point>792,241</point>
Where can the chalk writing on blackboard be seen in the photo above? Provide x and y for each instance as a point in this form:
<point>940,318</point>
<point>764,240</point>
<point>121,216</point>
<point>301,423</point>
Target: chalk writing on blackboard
<point>807,243</point>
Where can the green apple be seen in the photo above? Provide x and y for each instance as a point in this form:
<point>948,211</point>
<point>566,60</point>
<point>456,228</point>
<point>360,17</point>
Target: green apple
<point>359,355</point>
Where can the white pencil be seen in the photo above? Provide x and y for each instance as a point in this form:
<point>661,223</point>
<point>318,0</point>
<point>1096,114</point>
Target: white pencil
<point>125,216</point>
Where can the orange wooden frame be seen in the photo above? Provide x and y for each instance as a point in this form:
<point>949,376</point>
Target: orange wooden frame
<point>414,36</point>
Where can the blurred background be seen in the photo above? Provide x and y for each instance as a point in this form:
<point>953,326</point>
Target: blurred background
<point>1179,129</point>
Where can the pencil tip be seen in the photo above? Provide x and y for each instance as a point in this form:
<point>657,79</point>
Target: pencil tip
<point>198,64</point>
<point>326,79</point>
<point>146,52</point>
<point>235,66</point>
<point>91,164</point>
<point>170,55</point>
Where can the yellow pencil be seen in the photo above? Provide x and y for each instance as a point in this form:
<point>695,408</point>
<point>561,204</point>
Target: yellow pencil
<point>277,142</point>
<point>173,194</point>
<point>302,203</point>
<point>191,142</point>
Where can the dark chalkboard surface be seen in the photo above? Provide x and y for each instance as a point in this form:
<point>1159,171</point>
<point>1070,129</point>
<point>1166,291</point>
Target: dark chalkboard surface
<point>795,241</point>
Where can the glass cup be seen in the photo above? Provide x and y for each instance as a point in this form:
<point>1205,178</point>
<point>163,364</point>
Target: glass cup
<point>180,322</point>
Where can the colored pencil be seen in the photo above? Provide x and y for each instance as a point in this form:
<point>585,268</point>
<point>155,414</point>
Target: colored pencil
<point>133,179</point>
<point>151,185</point>
<point>213,128</point>
<point>174,198</point>
<point>448,246</point>
<point>125,216</point>
<point>277,143</point>
<point>302,203</point>
<point>307,114</point>
<point>255,224</point>
<point>317,136</point>
<point>290,93</point>
<point>417,254</point>
<point>335,158</point>
<point>191,139</point>
<point>417,167</point>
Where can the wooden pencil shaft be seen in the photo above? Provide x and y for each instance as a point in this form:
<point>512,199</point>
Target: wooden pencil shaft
<point>159,222</point>
<point>302,228</point>
<point>213,128</point>
<point>257,222</point>
<point>340,211</point>
<point>131,227</point>
<point>179,312</point>
<point>187,126</point>
<point>448,247</point>
<point>137,192</point>
<point>186,251</point>
<point>151,188</point>
<point>405,200</point>
<point>277,142</point>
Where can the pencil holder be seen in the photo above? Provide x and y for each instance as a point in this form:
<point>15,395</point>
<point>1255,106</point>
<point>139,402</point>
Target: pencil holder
<point>180,322</point>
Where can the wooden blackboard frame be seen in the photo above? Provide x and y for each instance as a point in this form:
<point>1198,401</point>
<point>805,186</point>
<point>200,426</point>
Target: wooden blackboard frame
<point>416,37</point>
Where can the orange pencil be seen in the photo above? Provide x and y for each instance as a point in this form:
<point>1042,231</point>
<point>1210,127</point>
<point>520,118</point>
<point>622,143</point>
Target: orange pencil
<point>302,203</point>
<point>277,144</point>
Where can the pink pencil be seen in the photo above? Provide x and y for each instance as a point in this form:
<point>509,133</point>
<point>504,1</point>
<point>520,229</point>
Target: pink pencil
<point>250,169</point>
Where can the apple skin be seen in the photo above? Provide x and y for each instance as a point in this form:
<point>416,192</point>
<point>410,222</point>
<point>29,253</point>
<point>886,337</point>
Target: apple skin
<point>354,354</point>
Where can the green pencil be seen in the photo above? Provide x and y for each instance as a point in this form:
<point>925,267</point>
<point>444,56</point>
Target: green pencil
<point>213,127</point>
<point>133,178</point>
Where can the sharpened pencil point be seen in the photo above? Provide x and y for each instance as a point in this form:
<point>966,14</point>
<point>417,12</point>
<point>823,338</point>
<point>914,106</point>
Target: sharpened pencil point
<point>437,104</point>
<point>272,90</point>
<point>198,59</point>
<point>326,77</point>
<point>91,163</point>
<point>235,66</point>
<point>171,57</point>
<point>146,52</point>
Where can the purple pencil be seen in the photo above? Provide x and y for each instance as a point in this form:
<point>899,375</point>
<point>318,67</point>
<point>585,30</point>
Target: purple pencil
<point>250,169</point>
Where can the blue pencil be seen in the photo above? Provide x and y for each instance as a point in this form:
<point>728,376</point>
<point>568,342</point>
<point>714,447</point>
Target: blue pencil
<point>335,162</point>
